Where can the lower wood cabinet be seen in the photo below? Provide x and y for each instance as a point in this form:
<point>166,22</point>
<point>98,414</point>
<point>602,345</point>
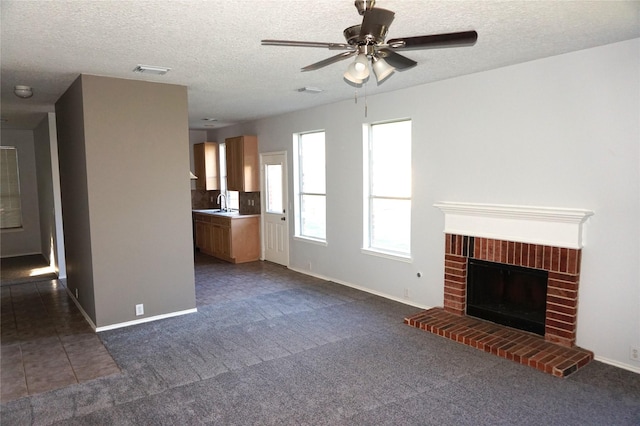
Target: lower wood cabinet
<point>235,239</point>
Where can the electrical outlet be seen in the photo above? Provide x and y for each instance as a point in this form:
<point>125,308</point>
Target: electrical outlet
<point>634,353</point>
<point>139,309</point>
<point>406,292</point>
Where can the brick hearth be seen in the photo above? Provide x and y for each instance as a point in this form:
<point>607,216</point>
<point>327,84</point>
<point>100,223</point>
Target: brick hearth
<point>519,346</point>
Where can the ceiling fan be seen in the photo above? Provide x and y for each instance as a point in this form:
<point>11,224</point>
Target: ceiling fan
<point>366,42</point>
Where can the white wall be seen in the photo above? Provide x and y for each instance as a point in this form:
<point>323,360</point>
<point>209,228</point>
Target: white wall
<point>18,242</point>
<point>561,132</point>
<point>47,172</point>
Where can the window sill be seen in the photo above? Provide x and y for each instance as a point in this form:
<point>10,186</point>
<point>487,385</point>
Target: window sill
<point>388,255</point>
<point>311,240</point>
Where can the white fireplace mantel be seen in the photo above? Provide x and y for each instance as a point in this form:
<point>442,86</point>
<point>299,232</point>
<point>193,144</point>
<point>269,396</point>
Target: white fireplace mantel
<point>560,227</point>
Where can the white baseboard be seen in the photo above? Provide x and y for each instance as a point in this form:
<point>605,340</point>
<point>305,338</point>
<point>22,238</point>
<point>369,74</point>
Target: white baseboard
<point>618,364</point>
<point>73,297</point>
<point>143,320</point>
<point>127,323</point>
<point>365,289</point>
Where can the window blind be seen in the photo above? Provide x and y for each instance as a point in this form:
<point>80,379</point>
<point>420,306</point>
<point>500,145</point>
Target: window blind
<point>10,207</point>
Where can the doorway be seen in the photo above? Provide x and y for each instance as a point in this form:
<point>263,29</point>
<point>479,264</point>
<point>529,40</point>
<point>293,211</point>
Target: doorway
<point>275,228</point>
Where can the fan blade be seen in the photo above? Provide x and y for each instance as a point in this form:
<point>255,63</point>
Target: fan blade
<point>396,60</point>
<point>329,61</point>
<point>330,46</point>
<point>376,24</point>
<point>464,38</point>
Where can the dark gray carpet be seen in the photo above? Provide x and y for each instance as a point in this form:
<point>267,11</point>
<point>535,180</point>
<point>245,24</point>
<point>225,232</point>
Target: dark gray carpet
<point>293,350</point>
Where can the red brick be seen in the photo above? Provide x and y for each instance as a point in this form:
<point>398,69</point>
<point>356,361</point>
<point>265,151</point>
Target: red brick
<point>563,285</point>
<point>561,292</point>
<point>555,259</point>
<point>564,259</point>
<point>517,257</point>
<point>539,251</point>
<point>455,258</point>
<point>558,276</point>
<point>531,263</point>
<point>546,262</point>
<point>554,334</point>
<point>504,249</point>
<point>570,319</point>
<point>562,308</point>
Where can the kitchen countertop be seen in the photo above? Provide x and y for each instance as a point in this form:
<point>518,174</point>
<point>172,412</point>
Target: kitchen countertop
<point>217,212</point>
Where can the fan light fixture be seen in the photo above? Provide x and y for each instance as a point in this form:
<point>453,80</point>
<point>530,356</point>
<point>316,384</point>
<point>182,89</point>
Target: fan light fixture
<point>358,71</point>
<point>381,68</point>
<point>23,92</point>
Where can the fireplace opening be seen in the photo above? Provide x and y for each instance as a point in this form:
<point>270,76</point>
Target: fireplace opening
<point>509,295</point>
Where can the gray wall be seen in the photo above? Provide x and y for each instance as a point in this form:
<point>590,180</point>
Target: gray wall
<point>75,197</point>
<point>126,145</point>
<point>18,242</point>
<point>559,132</point>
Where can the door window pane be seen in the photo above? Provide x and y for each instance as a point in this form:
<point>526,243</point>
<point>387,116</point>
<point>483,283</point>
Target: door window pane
<point>274,189</point>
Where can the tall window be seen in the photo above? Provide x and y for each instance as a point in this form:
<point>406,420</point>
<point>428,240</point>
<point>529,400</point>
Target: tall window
<point>232,198</point>
<point>10,206</point>
<point>310,186</point>
<point>388,188</point>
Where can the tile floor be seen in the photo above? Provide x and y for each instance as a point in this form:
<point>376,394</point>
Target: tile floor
<point>21,269</point>
<point>46,343</point>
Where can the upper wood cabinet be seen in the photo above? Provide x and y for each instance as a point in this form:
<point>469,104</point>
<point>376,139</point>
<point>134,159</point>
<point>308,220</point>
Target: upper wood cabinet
<point>205,159</point>
<point>242,164</point>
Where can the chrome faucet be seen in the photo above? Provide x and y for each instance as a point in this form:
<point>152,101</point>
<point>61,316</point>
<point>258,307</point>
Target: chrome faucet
<point>223,198</point>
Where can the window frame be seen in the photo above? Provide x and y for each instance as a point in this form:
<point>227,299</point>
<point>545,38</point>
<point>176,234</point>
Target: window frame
<point>369,197</point>
<point>231,198</point>
<point>11,182</point>
<point>298,164</point>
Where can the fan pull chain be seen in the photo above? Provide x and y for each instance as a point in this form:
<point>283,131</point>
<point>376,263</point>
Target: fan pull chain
<point>365,100</point>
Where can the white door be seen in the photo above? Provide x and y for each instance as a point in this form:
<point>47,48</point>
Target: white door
<point>275,228</point>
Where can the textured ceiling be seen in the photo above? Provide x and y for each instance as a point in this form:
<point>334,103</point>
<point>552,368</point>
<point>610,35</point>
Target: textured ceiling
<point>213,47</point>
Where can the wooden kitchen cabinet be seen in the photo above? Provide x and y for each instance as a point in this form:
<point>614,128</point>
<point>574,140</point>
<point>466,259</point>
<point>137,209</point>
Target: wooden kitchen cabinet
<point>205,160</point>
<point>235,239</point>
<point>242,164</point>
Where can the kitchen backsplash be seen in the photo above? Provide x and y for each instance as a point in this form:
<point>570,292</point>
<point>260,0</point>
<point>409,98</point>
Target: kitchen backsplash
<point>249,203</point>
<point>202,199</point>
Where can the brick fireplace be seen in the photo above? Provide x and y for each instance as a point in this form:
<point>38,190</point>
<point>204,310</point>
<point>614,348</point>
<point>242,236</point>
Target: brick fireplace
<point>562,264</point>
<point>541,238</point>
